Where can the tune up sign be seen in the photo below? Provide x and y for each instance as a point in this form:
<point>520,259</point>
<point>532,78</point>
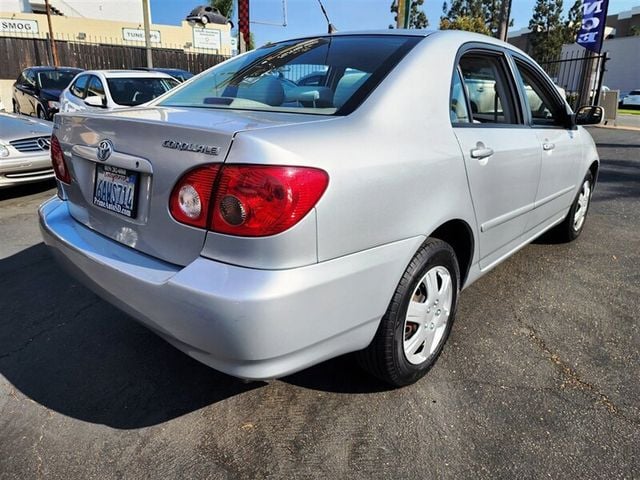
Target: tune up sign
<point>594,19</point>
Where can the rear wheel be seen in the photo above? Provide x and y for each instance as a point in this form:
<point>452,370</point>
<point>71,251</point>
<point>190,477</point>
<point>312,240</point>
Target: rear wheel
<point>16,107</point>
<point>572,226</point>
<point>415,328</point>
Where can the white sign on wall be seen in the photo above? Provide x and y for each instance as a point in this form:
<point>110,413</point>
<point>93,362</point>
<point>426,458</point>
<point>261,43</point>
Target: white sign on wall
<point>20,26</point>
<point>137,35</point>
<point>207,38</point>
<point>234,46</point>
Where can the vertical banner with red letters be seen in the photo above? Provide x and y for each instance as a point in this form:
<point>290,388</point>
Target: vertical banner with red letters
<point>243,21</point>
<point>594,20</point>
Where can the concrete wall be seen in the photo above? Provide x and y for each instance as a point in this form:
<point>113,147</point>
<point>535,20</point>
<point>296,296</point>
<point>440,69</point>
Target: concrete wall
<point>623,67</point>
<point>111,32</point>
<point>118,10</point>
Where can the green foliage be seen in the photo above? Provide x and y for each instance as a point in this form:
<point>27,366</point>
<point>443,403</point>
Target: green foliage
<point>417,18</point>
<point>465,22</point>
<point>550,30</point>
<point>480,16</point>
<point>225,7</point>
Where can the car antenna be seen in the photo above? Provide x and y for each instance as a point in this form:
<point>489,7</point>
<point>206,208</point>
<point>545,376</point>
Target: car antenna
<point>331,28</point>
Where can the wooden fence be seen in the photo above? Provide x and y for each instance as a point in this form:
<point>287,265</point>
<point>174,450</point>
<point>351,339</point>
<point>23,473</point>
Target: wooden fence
<point>18,53</point>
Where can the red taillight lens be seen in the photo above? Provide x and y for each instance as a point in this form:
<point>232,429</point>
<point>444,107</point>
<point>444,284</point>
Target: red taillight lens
<point>57,160</point>
<point>189,201</point>
<point>259,200</point>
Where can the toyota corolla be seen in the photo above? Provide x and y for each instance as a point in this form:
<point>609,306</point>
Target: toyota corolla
<point>263,225</point>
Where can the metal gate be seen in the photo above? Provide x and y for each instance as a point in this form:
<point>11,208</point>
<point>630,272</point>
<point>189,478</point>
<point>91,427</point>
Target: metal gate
<point>580,74</point>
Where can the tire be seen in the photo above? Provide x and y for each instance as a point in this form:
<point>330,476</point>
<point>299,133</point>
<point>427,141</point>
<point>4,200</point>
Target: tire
<point>408,343</point>
<point>204,19</point>
<point>41,114</point>
<point>16,107</point>
<point>573,225</point>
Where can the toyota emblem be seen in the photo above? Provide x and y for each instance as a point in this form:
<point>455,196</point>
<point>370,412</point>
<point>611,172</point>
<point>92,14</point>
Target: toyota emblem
<point>105,147</point>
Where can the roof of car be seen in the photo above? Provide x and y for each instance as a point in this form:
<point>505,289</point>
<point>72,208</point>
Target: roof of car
<point>48,67</point>
<point>129,73</point>
<point>455,35</point>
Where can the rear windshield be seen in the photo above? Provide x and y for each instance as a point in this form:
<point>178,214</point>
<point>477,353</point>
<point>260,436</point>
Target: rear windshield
<point>136,91</point>
<point>55,79</point>
<point>325,75</point>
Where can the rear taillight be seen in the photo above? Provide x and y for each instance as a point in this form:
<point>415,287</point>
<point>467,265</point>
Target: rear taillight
<point>249,200</point>
<point>190,198</point>
<point>257,200</point>
<point>58,162</point>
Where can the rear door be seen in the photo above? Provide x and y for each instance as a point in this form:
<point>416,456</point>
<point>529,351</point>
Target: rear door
<point>560,146</point>
<point>502,155</point>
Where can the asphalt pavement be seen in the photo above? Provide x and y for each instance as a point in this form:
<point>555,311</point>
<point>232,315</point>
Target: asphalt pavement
<point>540,377</point>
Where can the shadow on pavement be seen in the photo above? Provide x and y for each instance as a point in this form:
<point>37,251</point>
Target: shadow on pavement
<point>66,349</point>
<point>27,189</point>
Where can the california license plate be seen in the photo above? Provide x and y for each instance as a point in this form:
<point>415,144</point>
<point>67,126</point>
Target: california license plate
<point>116,190</point>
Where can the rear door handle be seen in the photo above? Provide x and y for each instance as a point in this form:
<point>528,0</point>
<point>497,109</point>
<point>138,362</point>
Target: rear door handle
<point>548,146</point>
<point>481,152</point>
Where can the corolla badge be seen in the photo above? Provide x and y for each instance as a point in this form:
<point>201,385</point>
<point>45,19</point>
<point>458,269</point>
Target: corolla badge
<point>105,148</point>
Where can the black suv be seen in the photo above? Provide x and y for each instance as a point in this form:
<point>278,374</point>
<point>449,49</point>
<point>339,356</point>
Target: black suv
<point>37,90</point>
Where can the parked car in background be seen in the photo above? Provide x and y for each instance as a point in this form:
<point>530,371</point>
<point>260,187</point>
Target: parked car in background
<point>178,74</point>
<point>631,100</point>
<point>37,90</point>
<point>263,232</point>
<point>24,150</point>
<point>101,90</point>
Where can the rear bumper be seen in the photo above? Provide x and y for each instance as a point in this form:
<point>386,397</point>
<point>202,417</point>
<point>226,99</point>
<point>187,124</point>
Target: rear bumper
<point>254,324</point>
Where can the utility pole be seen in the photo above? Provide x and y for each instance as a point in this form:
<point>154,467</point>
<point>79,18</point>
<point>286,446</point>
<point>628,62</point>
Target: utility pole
<point>402,17</point>
<point>505,14</point>
<point>147,32</point>
<point>54,49</point>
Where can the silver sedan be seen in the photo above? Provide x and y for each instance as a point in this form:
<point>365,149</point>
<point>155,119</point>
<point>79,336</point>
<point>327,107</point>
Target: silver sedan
<point>24,150</point>
<point>262,225</point>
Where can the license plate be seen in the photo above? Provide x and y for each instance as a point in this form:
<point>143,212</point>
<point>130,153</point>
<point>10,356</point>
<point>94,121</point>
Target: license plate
<point>116,189</point>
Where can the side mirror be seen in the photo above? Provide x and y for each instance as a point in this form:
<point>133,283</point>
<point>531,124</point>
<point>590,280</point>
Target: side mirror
<point>590,115</point>
<point>95,101</point>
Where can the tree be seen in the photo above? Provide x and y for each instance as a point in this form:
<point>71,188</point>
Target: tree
<point>417,18</point>
<point>573,23</point>
<point>480,16</point>
<point>550,30</point>
<point>225,7</point>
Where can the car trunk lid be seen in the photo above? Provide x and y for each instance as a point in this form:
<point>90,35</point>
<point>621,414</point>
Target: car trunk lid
<point>151,148</point>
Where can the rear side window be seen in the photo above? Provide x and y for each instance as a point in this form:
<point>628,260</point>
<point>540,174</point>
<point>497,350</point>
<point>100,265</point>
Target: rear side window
<point>485,82</point>
<point>544,108</point>
<point>79,87</point>
<point>458,111</point>
<point>136,91</point>
<point>323,75</point>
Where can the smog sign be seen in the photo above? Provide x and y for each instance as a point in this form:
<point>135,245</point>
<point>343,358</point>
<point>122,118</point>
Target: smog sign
<point>206,38</point>
<point>137,35</point>
<point>19,26</point>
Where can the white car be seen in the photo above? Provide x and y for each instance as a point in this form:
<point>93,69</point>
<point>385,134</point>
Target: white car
<point>631,100</point>
<point>113,89</point>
